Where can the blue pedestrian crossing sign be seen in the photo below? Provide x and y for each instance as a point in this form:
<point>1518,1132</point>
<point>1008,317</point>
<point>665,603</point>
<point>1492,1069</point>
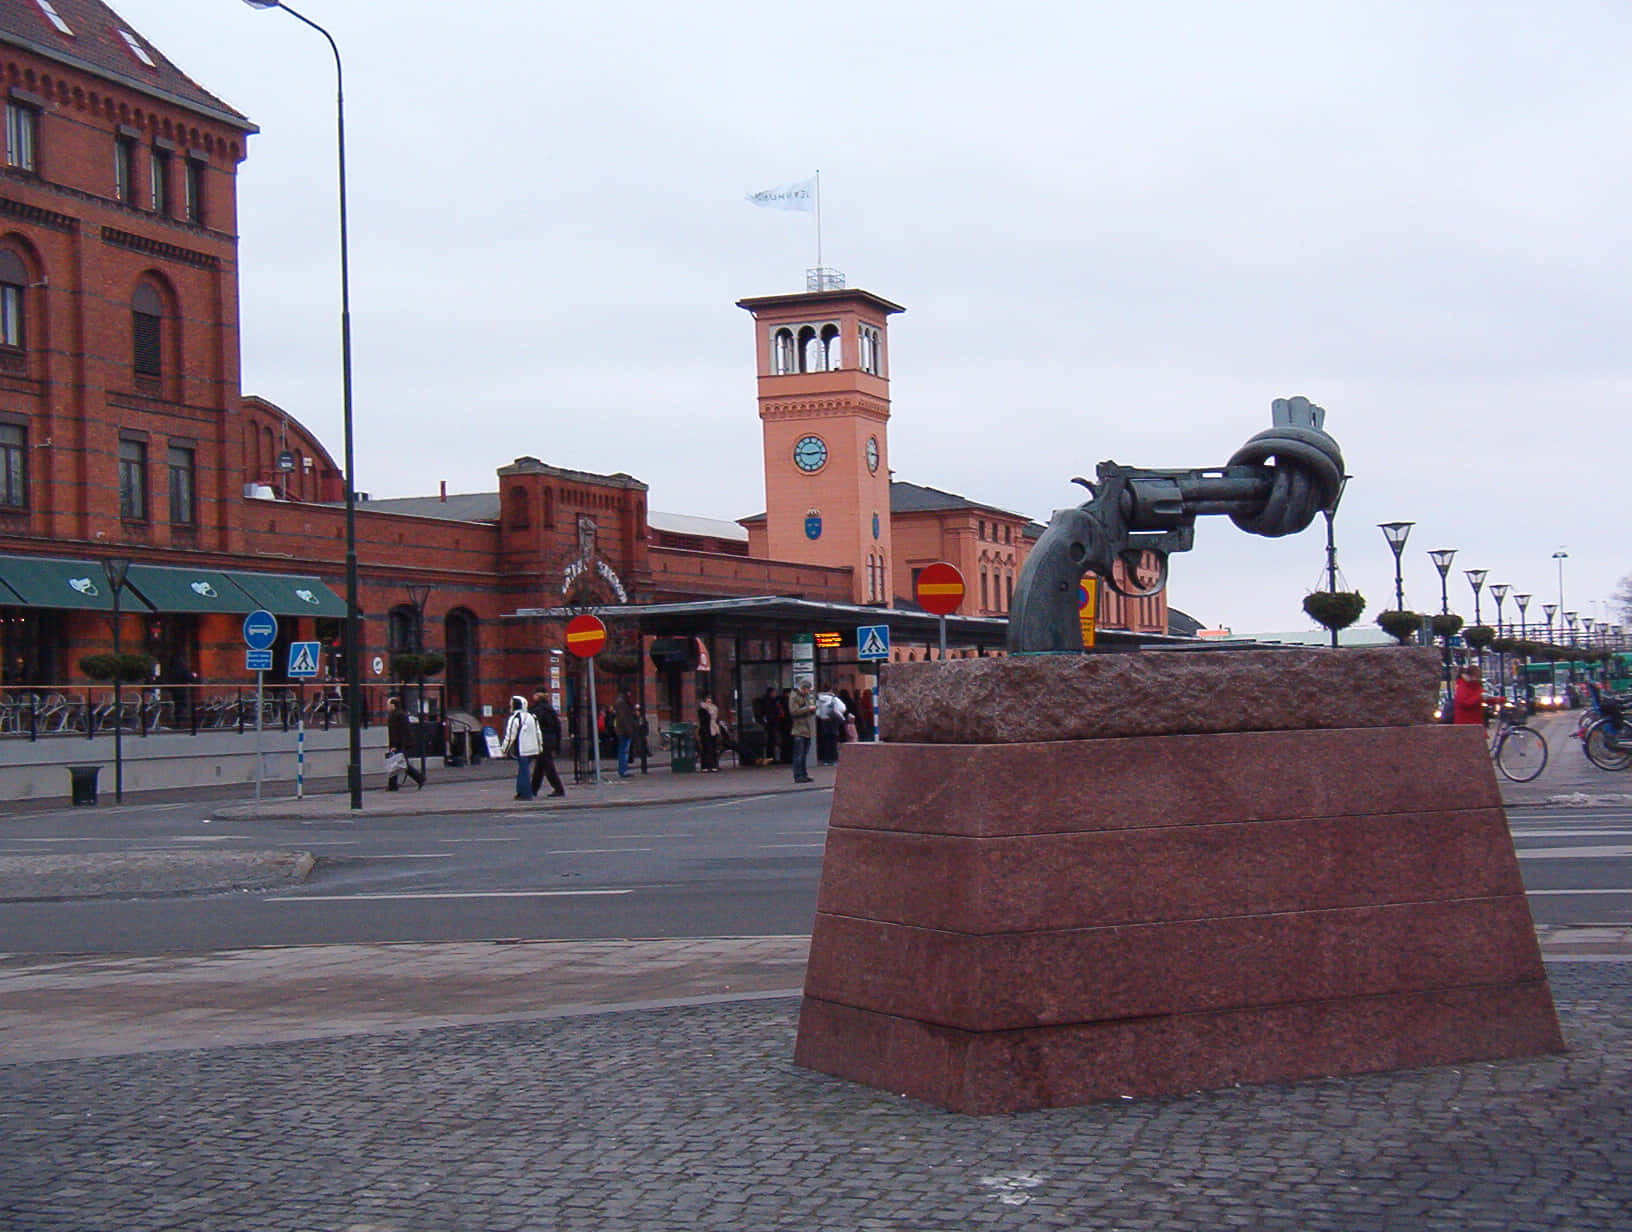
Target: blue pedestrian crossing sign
<point>873,642</point>
<point>304,658</point>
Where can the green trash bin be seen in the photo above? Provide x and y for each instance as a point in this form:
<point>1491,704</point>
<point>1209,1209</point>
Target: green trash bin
<point>683,747</point>
<point>83,779</point>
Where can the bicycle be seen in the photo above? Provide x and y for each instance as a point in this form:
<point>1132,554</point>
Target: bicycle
<point>1519,751</point>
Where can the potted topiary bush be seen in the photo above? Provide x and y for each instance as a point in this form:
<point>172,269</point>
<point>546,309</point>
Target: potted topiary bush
<point>1447,624</point>
<point>1479,636</point>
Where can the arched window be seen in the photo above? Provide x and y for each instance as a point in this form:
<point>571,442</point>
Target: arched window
<point>403,631</point>
<point>872,350</point>
<point>832,351</point>
<point>515,512</point>
<point>810,350</point>
<point>13,300</point>
<point>459,642</point>
<point>784,358</point>
<point>147,332</point>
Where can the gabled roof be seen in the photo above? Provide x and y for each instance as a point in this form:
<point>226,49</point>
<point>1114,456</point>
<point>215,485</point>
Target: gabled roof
<point>463,507</point>
<point>98,46</point>
<point>915,498</point>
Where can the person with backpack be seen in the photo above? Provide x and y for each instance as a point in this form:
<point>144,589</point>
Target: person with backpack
<point>549,739</point>
<point>521,741</point>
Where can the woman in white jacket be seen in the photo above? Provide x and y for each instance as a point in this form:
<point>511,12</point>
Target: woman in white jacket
<point>523,742</point>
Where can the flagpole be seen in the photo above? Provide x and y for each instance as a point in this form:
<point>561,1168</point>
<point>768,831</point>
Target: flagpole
<point>818,218</point>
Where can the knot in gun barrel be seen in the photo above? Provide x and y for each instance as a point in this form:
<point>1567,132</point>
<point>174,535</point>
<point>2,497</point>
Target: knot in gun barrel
<point>1303,468</point>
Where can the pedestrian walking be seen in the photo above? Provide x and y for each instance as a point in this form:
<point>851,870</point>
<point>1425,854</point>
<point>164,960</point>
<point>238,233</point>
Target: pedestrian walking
<point>398,736</point>
<point>830,717</point>
<point>802,725</point>
<point>521,741</point>
<point>1468,702</point>
<point>708,734</point>
<point>549,741</point>
<point>624,724</point>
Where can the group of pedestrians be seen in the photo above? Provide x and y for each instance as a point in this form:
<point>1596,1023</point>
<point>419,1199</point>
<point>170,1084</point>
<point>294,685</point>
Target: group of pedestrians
<point>532,735</point>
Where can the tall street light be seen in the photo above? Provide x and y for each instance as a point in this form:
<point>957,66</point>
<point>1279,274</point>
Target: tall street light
<point>1524,606</point>
<point>1442,558</point>
<point>116,570</point>
<point>417,595</point>
<point>1561,556</point>
<point>354,649</point>
<point>1498,591</point>
<point>1476,579</point>
<point>1396,533</point>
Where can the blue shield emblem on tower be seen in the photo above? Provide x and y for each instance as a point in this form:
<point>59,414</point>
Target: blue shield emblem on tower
<point>813,525</point>
<point>875,526</point>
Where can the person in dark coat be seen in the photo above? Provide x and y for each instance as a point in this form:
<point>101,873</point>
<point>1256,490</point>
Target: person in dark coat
<point>624,723</point>
<point>398,736</point>
<point>708,734</point>
<point>549,729</point>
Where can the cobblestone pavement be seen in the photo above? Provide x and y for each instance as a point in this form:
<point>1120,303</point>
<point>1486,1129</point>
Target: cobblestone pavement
<point>695,1117</point>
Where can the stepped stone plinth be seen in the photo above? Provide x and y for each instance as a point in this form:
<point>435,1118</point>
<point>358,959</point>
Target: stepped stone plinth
<point>1066,878</point>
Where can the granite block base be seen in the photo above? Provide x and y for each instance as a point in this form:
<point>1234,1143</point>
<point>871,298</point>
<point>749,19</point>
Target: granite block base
<point>1011,926</point>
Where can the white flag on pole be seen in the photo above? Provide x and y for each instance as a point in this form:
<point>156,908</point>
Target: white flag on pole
<point>800,196</point>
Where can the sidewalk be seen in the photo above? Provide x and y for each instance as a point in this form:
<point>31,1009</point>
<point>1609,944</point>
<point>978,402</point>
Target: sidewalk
<point>491,787</point>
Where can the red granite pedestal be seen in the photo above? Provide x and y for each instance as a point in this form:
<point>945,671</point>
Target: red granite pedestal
<point>1005,926</point>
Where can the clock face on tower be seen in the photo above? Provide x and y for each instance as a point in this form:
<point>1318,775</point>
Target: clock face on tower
<point>872,454</point>
<point>810,453</point>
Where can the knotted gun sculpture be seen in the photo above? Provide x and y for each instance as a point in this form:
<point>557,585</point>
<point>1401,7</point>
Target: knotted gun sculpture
<point>1274,485</point>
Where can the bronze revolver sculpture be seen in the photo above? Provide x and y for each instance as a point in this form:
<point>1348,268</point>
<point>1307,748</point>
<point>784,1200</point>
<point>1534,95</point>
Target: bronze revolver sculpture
<point>1273,485</point>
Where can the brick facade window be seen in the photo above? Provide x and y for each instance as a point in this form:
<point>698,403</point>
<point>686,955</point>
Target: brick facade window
<point>147,332</point>
<point>159,165</point>
<point>183,485</point>
<point>133,480</point>
<point>195,191</point>
<point>22,136</point>
<point>13,300</point>
<point>124,169</point>
<point>13,466</point>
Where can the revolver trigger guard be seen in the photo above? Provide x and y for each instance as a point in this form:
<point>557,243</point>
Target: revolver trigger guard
<point>1133,560</point>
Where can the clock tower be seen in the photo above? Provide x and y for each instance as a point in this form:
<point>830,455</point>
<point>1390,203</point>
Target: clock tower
<point>824,405</point>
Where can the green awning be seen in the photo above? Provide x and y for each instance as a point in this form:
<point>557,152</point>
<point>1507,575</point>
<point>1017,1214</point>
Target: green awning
<point>190,590</point>
<point>9,597</point>
<point>43,581</point>
<point>285,594</point>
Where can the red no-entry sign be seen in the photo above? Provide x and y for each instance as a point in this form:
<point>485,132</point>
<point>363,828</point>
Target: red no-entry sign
<point>586,635</point>
<point>940,588</point>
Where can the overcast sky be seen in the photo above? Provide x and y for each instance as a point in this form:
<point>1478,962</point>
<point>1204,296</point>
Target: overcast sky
<point>1119,231</point>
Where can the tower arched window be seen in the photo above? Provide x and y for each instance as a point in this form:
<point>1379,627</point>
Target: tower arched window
<point>872,350</point>
<point>832,349</point>
<point>810,350</point>
<point>784,355</point>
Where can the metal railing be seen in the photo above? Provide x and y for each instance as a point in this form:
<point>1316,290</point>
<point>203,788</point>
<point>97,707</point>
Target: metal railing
<point>34,712</point>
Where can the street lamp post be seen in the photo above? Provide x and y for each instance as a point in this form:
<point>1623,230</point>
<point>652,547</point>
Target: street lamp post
<point>1396,533</point>
<point>417,595</point>
<point>1524,606</point>
<point>116,570</point>
<point>354,649</point>
<point>1561,556</point>
<point>1442,558</point>
<point>1571,618</point>
<point>1476,579</point>
<point>1549,609</point>
<point>1498,591</point>
<point>1330,513</point>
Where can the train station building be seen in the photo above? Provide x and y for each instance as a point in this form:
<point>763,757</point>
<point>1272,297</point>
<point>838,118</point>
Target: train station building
<point>125,436</point>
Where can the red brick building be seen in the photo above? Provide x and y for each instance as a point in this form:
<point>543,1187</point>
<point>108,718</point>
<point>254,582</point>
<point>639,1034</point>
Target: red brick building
<point>124,434</point>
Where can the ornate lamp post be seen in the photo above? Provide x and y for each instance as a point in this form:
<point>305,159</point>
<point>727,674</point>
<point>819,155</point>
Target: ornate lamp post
<point>1549,609</point>
<point>1524,606</point>
<point>1561,556</point>
<point>1571,619</point>
<point>1396,533</point>
<point>1476,579</point>
<point>417,595</point>
<point>1498,591</point>
<point>1442,558</point>
<point>354,647</point>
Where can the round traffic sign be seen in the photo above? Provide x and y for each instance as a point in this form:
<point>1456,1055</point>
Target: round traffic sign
<point>260,630</point>
<point>586,635</point>
<point>940,588</point>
